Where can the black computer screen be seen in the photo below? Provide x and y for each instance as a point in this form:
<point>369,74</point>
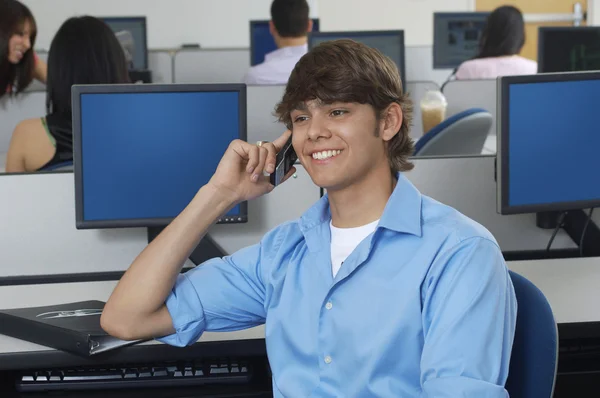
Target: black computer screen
<point>262,42</point>
<point>143,153</point>
<point>549,140</point>
<point>568,49</point>
<point>456,37</point>
<point>390,43</point>
<point>136,26</point>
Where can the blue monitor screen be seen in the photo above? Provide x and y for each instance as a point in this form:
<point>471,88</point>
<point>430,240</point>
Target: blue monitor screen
<point>553,141</point>
<point>261,41</point>
<point>145,155</point>
<point>136,26</point>
<point>456,37</point>
<point>390,43</point>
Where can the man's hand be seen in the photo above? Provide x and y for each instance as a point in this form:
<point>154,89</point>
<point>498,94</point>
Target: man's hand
<point>240,173</point>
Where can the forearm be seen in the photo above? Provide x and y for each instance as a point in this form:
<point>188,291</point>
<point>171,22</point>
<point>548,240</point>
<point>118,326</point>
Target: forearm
<point>142,291</point>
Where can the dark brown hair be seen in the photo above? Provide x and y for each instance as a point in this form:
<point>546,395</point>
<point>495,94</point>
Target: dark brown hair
<point>347,71</point>
<point>13,16</point>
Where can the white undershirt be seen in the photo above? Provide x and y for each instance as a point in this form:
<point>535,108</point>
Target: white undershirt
<point>345,240</point>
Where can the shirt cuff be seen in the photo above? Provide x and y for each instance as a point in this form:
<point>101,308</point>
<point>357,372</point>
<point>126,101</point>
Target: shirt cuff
<point>187,313</point>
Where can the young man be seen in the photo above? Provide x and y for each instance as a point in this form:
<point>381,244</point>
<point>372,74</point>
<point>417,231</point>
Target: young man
<point>289,26</point>
<point>376,291</point>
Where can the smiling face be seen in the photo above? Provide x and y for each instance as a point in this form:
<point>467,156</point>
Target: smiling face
<point>19,43</point>
<point>339,144</point>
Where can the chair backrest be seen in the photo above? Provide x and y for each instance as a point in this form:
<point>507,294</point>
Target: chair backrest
<point>461,134</point>
<point>534,358</point>
<point>62,166</point>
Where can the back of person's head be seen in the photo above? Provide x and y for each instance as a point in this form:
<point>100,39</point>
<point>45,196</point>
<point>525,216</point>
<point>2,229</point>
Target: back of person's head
<point>350,72</point>
<point>84,51</point>
<point>16,19</point>
<point>504,33</point>
<point>290,17</point>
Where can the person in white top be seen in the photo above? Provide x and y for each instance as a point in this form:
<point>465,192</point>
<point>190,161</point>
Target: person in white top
<point>501,42</point>
<point>289,26</point>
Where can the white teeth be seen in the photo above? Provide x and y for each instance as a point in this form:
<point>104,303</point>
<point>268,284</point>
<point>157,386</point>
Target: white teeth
<point>325,154</point>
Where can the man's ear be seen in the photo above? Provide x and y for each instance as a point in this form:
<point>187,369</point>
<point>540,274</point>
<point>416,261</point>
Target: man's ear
<point>310,25</point>
<point>272,29</point>
<point>392,121</point>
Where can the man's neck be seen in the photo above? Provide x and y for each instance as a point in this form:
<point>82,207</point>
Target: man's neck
<point>291,41</point>
<point>363,202</point>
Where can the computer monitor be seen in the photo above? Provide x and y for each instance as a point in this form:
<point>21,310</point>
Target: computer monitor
<point>389,42</point>
<point>568,49</point>
<point>456,37</point>
<point>548,142</point>
<point>131,32</point>
<point>262,42</point>
<point>141,152</point>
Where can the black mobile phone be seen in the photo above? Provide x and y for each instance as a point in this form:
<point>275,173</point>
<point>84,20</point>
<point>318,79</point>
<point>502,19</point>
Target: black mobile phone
<point>284,162</point>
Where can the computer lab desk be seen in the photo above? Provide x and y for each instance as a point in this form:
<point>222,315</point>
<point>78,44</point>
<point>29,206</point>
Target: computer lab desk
<point>18,355</point>
<point>572,287</point>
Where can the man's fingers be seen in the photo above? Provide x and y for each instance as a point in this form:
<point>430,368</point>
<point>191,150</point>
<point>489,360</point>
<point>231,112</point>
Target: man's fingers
<point>271,157</point>
<point>281,140</point>
<point>260,167</point>
<point>253,158</point>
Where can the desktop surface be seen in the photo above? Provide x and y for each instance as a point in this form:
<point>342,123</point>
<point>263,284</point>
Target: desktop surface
<point>456,37</point>
<point>137,27</point>
<point>549,143</point>
<point>568,49</point>
<point>390,43</point>
<point>262,42</point>
<point>144,155</point>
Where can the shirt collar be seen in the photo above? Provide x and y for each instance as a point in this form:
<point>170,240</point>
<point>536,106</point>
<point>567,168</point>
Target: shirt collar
<point>402,212</point>
<point>287,52</point>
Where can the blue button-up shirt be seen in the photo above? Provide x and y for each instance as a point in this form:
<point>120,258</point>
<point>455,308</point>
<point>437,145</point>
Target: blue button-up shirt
<point>423,307</point>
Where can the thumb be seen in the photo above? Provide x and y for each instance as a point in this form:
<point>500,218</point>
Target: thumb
<point>281,140</point>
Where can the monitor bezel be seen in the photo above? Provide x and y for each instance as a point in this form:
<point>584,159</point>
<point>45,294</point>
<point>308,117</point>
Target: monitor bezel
<point>436,15</point>
<point>78,90</point>
<point>266,21</point>
<point>144,21</point>
<point>502,153</point>
<point>359,33</point>
<point>542,31</point>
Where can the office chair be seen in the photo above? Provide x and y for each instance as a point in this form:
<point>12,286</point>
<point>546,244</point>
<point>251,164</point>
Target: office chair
<point>460,134</point>
<point>63,166</point>
<point>534,358</point>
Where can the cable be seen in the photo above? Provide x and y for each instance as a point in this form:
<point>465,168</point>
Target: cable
<point>561,219</point>
<point>585,227</point>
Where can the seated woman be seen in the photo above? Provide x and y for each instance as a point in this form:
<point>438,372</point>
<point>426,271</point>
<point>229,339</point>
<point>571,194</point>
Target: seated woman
<point>501,42</point>
<point>84,51</point>
<point>18,63</point>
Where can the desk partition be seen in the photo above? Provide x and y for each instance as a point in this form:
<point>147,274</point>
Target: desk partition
<point>465,94</point>
<point>211,66</point>
<point>42,238</point>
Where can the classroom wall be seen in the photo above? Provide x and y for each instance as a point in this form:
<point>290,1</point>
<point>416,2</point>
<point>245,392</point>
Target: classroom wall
<point>224,23</point>
<point>212,23</point>
<point>414,16</point>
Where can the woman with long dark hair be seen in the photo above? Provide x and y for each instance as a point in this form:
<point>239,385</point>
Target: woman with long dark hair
<point>84,51</point>
<point>501,42</point>
<point>18,63</point>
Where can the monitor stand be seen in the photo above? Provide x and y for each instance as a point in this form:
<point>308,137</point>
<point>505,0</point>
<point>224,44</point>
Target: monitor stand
<point>206,249</point>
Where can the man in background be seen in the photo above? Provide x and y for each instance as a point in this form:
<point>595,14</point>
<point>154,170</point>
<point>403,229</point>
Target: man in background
<point>289,26</point>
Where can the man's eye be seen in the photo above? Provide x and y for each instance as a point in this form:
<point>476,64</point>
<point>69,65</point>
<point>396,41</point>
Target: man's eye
<point>300,119</point>
<point>338,112</point>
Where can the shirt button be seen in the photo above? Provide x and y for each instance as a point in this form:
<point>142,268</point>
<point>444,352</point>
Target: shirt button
<point>327,359</point>
<point>329,305</point>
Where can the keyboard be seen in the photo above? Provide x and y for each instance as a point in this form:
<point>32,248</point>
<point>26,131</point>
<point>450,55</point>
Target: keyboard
<point>163,375</point>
